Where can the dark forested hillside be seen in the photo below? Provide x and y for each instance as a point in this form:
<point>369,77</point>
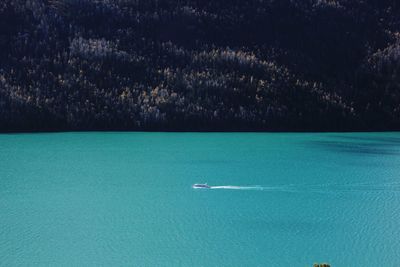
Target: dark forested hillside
<point>199,65</point>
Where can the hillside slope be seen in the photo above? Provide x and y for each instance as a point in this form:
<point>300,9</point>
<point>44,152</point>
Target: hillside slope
<point>199,65</point>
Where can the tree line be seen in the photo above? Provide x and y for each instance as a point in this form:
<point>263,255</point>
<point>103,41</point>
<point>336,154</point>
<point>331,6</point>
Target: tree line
<point>199,65</point>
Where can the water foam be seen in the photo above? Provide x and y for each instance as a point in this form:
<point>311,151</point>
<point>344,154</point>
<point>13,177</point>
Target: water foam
<point>314,188</point>
<point>236,187</point>
<point>253,187</point>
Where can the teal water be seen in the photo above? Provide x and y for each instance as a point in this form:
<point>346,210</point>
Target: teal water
<point>125,199</point>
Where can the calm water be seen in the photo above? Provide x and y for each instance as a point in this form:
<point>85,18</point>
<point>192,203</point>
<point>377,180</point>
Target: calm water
<point>119,199</point>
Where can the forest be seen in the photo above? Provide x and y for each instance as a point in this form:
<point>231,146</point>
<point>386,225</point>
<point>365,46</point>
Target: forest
<point>192,65</point>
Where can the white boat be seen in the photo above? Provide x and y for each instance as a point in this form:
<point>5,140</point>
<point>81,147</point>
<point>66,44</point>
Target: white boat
<point>201,186</point>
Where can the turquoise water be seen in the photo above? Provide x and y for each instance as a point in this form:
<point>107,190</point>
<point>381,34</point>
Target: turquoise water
<point>125,199</point>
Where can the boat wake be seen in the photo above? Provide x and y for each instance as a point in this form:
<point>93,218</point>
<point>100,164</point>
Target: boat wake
<point>312,188</point>
<point>231,187</point>
<point>235,187</point>
<point>251,187</point>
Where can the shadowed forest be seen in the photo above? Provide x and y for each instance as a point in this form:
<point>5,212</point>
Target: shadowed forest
<point>173,65</point>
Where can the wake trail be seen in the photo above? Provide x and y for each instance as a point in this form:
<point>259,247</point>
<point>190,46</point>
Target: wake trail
<point>314,188</point>
<point>236,187</point>
<point>250,187</point>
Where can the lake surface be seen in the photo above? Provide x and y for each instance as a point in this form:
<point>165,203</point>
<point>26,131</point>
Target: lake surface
<point>125,199</point>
